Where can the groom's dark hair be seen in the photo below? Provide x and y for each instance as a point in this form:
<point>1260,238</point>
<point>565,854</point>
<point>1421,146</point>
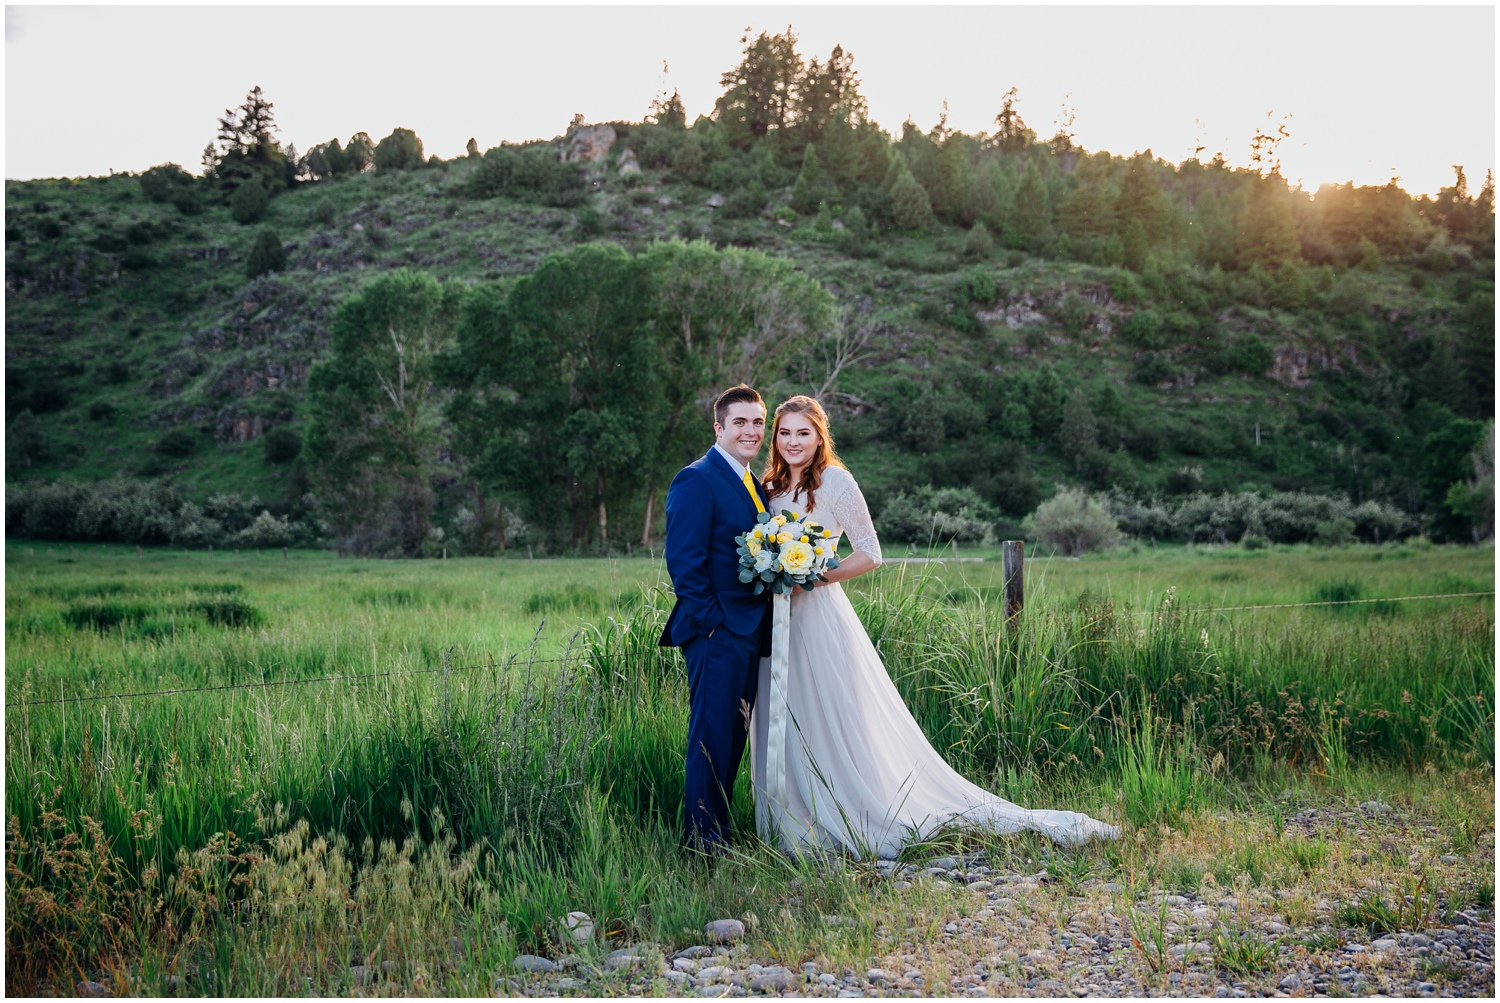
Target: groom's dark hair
<point>741,394</point>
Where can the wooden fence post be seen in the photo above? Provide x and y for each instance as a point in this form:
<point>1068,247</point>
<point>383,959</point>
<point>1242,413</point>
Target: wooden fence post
<point>1013,555</point>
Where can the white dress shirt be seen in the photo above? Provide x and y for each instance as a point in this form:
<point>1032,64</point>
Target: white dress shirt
<point>739,465</point>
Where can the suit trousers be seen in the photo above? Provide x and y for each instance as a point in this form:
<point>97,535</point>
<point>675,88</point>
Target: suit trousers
<point>723,671</point>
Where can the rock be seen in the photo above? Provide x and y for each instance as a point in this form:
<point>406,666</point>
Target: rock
<point>724,931</point>
<point>361,974</point>
<point>946,863</point>
<point>623,958</point>
<point>1274,927</point>
<point>1426,987</point>
<point>776,979</point>
<point>1292,981</point>
<point>1204,912</point>
<point>981,885</point>
<point>1448,858</point>
<point>533,963</point>
<point>580,927</point>
<point>951,928</point>
<point>1384,944</point>
<point>877,976</point>
<point>827,979</point>
<point>714,972</point>
<point>92,989</point>
<point>809,968</point>
<point>715,201</point>
<point>571,983</point>
<point>713,990</point>
<point>850,994</point>
<point>590,144</point>
<point>1375,808</point>
<point>694,952</point>
<point>900,885</point>
<point>627,164</point>
<point>687,965</point>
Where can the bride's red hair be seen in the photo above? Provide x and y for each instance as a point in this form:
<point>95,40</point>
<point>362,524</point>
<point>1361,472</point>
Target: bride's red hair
<point>778,474</point>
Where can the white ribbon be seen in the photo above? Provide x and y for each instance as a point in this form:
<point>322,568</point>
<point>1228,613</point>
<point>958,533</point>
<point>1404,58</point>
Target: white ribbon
<point>781,628</point>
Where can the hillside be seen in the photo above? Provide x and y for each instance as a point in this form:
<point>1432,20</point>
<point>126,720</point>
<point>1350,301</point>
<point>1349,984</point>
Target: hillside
<point>136,346</point>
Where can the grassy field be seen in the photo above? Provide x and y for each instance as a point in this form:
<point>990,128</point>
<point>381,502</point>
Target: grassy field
<point>503,744</point>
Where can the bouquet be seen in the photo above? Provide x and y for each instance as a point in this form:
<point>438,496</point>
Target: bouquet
<point>784,551</point>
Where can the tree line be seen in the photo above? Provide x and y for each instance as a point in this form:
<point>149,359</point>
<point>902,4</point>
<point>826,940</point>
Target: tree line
<point>568,396</point>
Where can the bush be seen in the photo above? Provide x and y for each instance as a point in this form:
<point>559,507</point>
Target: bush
<point>266,254</point>
<point>1145,329</point>
<point>25,442</point>
<point>324,212</point>
<point>268,532</point>
<point>281,445</point>
<point>1250,355</point>
<point>249,202</point>
<point>1334,532</point>
<point>163,182</point>
<point>102,411</point>
<point>1073,313</point>
<point>978,286</point>
<point>1073,522</point>
<point>979,243</point>
<point>932,515</point>
<point>400,151</point>
<point>178,442</point>
<point>535,175</point>
<point>910,207</point>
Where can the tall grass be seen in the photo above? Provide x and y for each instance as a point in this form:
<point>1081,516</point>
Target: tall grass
<point>491,801</point>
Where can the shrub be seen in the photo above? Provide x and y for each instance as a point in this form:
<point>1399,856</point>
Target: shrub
<point>281,445</point>
<point>400,151</point>
<point>268,531</point>
<point>25,442</point>
<point>1334,532</point>
<point>1073,313</point>
<point>1153,369</point>
<point>161,183</point>
<point>932,515</point>
<point>1145,329</point>
<point>324,212</point>
<point>192,528</point>
<point>535,175</point>
<point>177,442</point>
<point>266,254</point>
<point>249,202</point>
<point>978,286</point>
<point>1250,355</point>
<point>102,411</point>
<point>979,243</point>
<point>910,206</point>
<point>1073,522</point>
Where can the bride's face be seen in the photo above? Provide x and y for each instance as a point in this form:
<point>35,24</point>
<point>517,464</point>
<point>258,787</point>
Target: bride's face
<point>796,439</point>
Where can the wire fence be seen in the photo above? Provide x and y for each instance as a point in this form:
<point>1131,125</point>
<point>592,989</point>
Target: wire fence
<point>363,677</point>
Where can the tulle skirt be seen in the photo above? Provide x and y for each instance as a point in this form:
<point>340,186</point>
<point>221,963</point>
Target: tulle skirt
<point>860,775</point>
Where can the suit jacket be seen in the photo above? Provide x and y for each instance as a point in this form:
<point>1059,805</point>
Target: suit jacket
<point>707,507</point>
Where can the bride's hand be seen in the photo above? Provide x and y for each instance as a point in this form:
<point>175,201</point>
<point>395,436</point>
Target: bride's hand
<point>852,566</point>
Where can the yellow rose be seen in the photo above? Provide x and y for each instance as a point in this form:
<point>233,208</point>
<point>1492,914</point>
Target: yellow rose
<point>797,558</point>
<point>753,545</point>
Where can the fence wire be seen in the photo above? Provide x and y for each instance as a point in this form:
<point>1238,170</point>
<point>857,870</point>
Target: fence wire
<point>362,677</point>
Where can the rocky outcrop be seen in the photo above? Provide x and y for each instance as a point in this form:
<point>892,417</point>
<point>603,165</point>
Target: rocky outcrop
<point>588,144</point>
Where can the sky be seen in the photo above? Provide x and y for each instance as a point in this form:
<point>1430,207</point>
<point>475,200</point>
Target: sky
<point>1372,92</point>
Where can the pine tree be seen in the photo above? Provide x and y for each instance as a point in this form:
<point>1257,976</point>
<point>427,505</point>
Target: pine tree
<point>249,202</point>
<point>910,209</point>
<point>1028,219</point>
<point>1045,401</point>
<point>978,243</point>
<point>804,196</point>
<point>1079,429</point>
<point>1267,229</point>
<point>360,153</point>
<point>266,255</point>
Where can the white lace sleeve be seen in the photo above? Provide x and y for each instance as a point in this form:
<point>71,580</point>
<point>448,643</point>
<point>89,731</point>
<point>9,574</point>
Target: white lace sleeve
<point>853,515</point>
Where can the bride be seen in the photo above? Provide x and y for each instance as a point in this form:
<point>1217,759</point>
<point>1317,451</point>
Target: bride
<point>859,774</point>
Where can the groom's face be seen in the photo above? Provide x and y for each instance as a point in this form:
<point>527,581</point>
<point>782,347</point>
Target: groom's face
<point>743,429</point>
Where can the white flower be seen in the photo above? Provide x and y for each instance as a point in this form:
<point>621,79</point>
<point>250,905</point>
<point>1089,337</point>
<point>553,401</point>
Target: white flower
<point>797,558</point>
<point>764,561</point>
<point>793,530</point>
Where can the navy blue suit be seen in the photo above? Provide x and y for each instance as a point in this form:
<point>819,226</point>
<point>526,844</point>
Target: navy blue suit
<point>707,507</point>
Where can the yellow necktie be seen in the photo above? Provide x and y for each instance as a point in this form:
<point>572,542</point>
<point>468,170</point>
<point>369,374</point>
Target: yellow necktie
<point>750,487</point>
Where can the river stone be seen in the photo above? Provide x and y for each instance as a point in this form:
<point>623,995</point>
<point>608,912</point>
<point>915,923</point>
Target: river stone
<point>623,958</point>
<point>724,931</point>
<point>775,978</point>
<point>580,927</point>
<point>695,952</point>
<point>92,989</point>
<point>533,963</point>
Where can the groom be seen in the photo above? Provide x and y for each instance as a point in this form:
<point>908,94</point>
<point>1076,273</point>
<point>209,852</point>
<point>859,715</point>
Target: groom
<point>722,626</point>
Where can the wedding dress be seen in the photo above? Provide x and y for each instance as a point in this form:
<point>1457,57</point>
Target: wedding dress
<point>860,776</point>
